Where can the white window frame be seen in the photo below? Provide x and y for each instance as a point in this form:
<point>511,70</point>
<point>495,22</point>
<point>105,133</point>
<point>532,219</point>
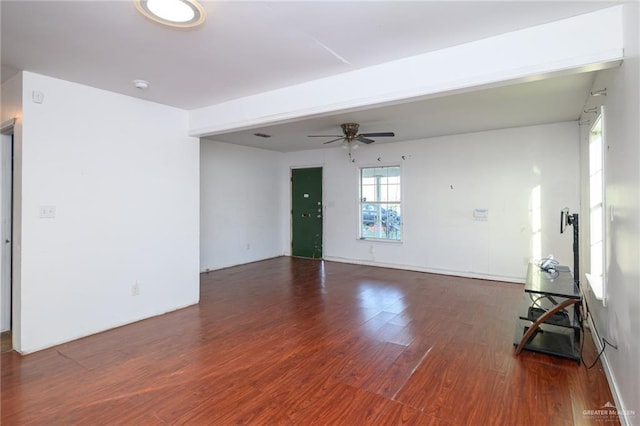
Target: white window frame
<point>596,149</point>
<point>362,201</point>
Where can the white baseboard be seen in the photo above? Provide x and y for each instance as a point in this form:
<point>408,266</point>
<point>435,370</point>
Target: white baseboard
<point>624,420</point>
<point>464,274</point>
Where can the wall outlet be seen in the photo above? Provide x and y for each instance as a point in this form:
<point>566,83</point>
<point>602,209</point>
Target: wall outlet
<point>47,212</point>
<point>135,289</point>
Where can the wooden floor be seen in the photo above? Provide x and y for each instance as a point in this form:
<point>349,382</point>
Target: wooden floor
<point>5,341</point>
<point>294,341</point>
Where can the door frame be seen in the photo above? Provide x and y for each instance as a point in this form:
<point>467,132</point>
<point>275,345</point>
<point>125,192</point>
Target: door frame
<point>6,225</point>
<point>324,207</point>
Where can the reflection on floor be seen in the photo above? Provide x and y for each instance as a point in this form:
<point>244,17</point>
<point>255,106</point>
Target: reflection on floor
<point>291,341</point>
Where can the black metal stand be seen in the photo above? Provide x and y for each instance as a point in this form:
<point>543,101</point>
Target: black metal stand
<point>549,319</point>
<point>574,222</point>
<point>548,325</point>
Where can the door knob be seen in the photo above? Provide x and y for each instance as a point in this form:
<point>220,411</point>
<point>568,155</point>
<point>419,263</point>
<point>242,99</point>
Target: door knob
<point>7,241</point>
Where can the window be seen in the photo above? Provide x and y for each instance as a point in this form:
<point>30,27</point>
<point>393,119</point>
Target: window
<point>596,208</point>
<point>380,203</point>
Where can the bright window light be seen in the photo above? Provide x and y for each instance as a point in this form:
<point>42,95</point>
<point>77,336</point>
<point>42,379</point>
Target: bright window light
<point>380,203</point>
<point>536,222</point>
<point>596,274</point>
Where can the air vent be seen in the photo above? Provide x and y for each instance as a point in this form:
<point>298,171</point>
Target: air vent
<point>262,135</point>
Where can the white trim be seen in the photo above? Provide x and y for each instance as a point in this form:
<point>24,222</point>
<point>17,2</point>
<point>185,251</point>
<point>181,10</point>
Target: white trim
<point>595,282</point>
<point>613,385</point>
<point>74,337</point>
<point>6,219</point>
<point>463,274</point>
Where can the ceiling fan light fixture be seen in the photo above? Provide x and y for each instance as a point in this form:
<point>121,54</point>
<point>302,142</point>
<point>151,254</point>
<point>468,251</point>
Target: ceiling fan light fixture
<point>173,13</point>
<point>351,138</point>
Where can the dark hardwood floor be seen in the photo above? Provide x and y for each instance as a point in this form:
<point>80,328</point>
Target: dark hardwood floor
<point>6,344</point>
<point>294,341</point>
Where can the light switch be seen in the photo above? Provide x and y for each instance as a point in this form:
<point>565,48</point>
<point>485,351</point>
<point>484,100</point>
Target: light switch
<point>47,212</point>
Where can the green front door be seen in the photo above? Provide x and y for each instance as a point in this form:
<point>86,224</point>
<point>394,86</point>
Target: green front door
<point>306,212</point>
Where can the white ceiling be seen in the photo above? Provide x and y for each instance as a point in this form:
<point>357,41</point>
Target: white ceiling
<point>249,47</point>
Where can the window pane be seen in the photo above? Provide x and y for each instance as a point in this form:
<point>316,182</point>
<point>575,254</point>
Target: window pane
<point>595,154</point>
<point>595,147</point>
<point>393,193</point>
<point>596,259</point>
<point>596,225</point>
<point>595,189</point>
<point>380,193</point>
<point>596,204</point>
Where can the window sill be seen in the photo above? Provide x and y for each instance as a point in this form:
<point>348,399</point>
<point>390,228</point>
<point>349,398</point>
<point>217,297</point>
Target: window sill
<point>380,240</point>
<point>597,286</point>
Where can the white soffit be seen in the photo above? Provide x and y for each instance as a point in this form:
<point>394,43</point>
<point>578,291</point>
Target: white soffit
<point>527,55</point>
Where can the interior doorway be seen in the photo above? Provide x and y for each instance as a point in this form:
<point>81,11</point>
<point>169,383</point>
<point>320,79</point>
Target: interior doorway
<point>306,212</point>
<point>6,235</point>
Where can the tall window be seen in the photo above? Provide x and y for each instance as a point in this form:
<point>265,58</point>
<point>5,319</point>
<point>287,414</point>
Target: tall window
<point>596,208</point>
<point>380,203</point>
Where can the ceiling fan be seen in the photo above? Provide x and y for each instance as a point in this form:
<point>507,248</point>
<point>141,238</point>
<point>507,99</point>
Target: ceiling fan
<point>351,134</point>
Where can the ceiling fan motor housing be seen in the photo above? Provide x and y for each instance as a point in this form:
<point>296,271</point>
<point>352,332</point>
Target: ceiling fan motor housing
<point>350,130</point>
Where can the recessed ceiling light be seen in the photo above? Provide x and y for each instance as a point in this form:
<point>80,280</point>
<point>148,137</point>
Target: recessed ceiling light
<point>174,13</point>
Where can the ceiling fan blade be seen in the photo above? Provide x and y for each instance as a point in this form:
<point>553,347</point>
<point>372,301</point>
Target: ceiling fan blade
<point>362,139</point>
<point>378,135</point>
<point>325,136</point>
<point>339,139</point>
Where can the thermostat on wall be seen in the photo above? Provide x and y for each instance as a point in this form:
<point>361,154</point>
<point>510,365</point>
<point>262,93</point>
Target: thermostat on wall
<point>480,214</point>
<point>37,96</point>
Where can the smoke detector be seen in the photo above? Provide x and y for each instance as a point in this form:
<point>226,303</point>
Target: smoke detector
<point>141,84</point>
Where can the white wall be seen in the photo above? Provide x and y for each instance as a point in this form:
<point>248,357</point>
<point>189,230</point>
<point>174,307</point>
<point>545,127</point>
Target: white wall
<point>241,219</point>
<point>618,322</point>
<point>124,179</point>
<point>11,98</point>
<point>495,170</point>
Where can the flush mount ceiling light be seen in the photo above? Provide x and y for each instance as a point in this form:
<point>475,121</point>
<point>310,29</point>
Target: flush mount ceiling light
<point>174,13</point>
